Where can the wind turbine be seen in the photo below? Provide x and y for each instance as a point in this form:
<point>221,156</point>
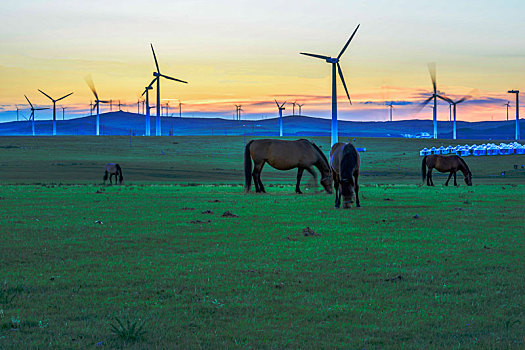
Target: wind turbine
<point>434,96</point>
<point>238,111</point>
<point>89,81</point>
<point>506,104</point>
<point>17,109</point>
<point>335,67</point>
<point>293,109</point>
<point>180,109</point>
<point>32,117</point>
<point>54,109</point>
<point>300,106</point>
<point>63,111</point>
<point>391,105</point>
<point>281,108</point>
<point>454,103</point>
<point>148,122</point>
<point>517,92</point>
<point>157,76</point>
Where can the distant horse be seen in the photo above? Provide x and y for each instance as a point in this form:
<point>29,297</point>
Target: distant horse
<point>345,162</point>
<point>284,155</point>
<point>451,163</point>
<point>113,169</point>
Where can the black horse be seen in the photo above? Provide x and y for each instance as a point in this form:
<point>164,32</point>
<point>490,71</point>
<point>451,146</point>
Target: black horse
<point>113,169</point>
<point>345,162</point>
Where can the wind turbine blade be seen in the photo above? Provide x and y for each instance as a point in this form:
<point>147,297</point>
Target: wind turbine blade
<point>63,97</point>
<point>463,99</point>
<point>49,97</point>
<point>432,71</point>
<point>107,101</point>
<point>91,85</point>
<point>348,42</point>
<point>29,101</point>
<point>41,109</point>
<point>315,55</point>
<point>343,81</point>
<point>155,58</point>
<point>281,106</point>
<point>423,104</point>
<point>152,82</point>
<point>168,77</point>
<point>446,99</point>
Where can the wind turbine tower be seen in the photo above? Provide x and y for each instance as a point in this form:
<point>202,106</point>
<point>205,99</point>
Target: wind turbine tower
<point>517,92</point>
<point>32,117</point>
<point>63,112</point>
<point>54,109</point>
<point>19,109</point>
<point>508,105</point>
<point>300,106</point>
<point>434,96</point>
<point>148,122</point>
<point>157,76</point>
<point>454,103</point>
<point>293,109</point>
<point>335,68</point>
<point>281,108</point>
<point>89,81</point>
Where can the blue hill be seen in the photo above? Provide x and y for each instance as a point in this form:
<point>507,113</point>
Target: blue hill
<point>124,123</point>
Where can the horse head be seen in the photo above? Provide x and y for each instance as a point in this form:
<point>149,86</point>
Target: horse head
<point>347,190</point>
<point>468,179</point>
<point>326,182</point>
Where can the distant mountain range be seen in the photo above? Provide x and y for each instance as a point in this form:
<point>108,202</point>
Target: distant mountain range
<point>125,123</point>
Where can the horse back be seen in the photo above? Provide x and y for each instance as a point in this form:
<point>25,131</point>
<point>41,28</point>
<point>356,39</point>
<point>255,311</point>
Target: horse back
<point>111,168</point>
<point>283,154</point>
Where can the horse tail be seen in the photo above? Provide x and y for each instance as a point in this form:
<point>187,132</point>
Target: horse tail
<point>247,167</point>
<point>105,176</point>
<point>424,168</point>
<point>121,177</point>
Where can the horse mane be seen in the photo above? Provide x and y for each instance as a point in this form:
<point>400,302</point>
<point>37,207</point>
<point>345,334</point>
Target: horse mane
<point>464,164</point>
<point>348,161</point>
<point>321,153</point>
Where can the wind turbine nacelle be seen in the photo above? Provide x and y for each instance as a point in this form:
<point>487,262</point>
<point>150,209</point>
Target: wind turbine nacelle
<point>156,74</point>
<point>332,60</point>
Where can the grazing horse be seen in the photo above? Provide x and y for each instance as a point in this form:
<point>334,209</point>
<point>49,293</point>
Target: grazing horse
<point>345,162</point>
<point>113,169</point>
<point>451,163</point>
<point>284,155</point>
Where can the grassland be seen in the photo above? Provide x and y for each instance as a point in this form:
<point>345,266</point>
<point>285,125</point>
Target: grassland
<point>415,267</point>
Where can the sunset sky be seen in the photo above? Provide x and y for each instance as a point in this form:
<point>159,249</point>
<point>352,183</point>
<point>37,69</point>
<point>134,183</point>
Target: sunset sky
<point>247,52</point>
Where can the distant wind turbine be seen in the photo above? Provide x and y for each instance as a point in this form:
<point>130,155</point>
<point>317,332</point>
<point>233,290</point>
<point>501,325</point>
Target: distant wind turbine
<point>300,106</point>
<point>17,109</point>
<point>89,81</point>
<point>335,67</point>
<point>506,104</point>
<point>54,109</point>
<point>148,122</point>
<point>454,103</point>
<point>32,117</point>
<point>517,92</point>
<point>63,112</point>
<point>391,105</point>
<point>281,108</point>
<point>157,76</point>
<point>239,109</point>
<point>293,108</point>
<point>434,96</point>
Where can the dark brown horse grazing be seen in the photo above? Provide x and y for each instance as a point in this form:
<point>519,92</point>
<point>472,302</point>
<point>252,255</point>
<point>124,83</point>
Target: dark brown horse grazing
<point>451,163</point>
<point>113,169</point>
<point>284,155</point>
<point>345,162</point>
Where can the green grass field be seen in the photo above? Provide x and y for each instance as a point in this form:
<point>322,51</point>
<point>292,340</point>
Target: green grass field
<point>415,267</point>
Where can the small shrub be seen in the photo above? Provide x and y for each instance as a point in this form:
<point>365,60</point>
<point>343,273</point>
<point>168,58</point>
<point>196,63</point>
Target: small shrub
<point>130,331</point>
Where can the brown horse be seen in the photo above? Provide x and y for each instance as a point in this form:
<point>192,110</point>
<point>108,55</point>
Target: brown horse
<point>345,162</point>
<point>113,170</point>
<point>451,163</point>
<point>284,155</point>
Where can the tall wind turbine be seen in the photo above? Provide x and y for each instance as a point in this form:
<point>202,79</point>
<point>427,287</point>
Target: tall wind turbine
<point>89,81</point>
<point>17,109</point>
<point>434,96</point>
<point>63,112</point>
<point>517,92</point>
<point>293,109</point>
<point>454,103</point>
<point>157,76</point>
<point>148,122</point>
<point>32,117</point>
<point>335,67</point>
<point>506,104</point>
<point>281,108</point>
<point>54,109</point>
<point>239,109</point>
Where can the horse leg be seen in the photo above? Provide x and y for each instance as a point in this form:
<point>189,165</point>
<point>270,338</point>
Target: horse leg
<point>337,194</point>
<point>449,176</point>
<point>257,169</point>
<point>429,177</point>
<point>105,176</point>
<point>299,176</point>
<point>356,189</point>
<point>455,182</point>
<point>110,177</point>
